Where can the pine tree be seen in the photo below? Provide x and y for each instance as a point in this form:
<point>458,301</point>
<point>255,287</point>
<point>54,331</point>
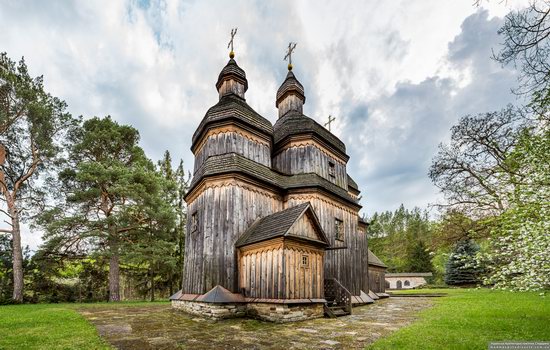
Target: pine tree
<point>418,258</point>
<point>32,122</point>
<point>110,195</point>
<point>461,269</point>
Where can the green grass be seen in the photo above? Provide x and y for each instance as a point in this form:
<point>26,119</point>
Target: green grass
<point>51,326</point>
<point>471,318</point>
<point>464,319</point>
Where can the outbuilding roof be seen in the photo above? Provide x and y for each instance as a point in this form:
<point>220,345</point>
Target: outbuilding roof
<point>409,274</point>
<point>373,260</point>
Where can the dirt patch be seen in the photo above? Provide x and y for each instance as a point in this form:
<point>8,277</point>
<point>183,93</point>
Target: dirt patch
<point>161,327</point>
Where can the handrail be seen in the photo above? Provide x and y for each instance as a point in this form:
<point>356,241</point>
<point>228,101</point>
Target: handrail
<point>338,294</point>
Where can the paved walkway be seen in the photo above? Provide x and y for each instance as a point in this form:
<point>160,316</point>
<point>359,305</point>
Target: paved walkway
<point>160,327</point>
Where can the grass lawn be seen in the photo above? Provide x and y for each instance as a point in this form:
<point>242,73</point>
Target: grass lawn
<point>51,326</point>
<point>471,318</point>
<point>464,319</point>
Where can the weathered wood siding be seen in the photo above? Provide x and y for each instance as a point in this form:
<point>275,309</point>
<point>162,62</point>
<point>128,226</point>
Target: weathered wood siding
<point>309,158</point>
<point>304,227</point>
<point>359,262</point>
<point>274,270</point>
<point>261,270</point>
<point>225,209</point>
<point>346,265</point>
<point>232,140</point>
<point>303,282</point>
<point>377,279</point>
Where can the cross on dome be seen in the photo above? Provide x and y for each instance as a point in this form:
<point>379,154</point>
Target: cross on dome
<point>230,44</point>
<point>290,50</point>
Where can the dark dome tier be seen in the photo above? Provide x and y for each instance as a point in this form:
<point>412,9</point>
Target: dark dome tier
<point>231,107</point>
<point>232,70</point>
<point>291,84</point>
<point>294,124</point>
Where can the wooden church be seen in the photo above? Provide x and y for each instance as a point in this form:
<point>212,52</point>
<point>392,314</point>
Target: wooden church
<point>273,228</point>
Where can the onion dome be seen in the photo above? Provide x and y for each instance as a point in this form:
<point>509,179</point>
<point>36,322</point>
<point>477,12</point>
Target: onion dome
<point>290,96</point>
<point>293,123</point>
<point>232,80</point>
<point>296,124</point>
<point>232,107</point>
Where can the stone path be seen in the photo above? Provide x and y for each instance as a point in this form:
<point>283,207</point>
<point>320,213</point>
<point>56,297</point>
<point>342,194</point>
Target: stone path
<point>160,327</point>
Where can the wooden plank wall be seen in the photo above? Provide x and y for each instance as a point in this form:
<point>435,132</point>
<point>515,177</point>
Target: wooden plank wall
<point>310,159</point>
<point>302,282</point>
<point>377,279</point>
<point>225,210</point>
<point>346,265</point>
<point>261,271</point>
<point>233,142</point>
<point>271,271</point>
<point>304,227</point>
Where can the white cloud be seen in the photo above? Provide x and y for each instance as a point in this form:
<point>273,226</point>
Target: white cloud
<point>384,66</point>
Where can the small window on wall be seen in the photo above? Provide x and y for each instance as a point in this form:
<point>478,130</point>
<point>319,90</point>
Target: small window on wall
<point>339,224</point>
<point>331,169</point>
<point>407,283</point>
<point>305,261</point>
<point>194,222</point>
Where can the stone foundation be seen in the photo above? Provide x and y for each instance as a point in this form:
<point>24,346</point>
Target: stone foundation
<point>285,312</point>
<point>211,310</point>
<point>273,312</point>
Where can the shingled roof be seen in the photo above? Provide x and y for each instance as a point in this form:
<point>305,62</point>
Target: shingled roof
<point>373,260</point>
<point>233,107</point>
<point>290,84</point>
<point>236,163</point>
<point>409,274</point>
<point>231,69</point>
<point>219,294</point>
<point>278,225</point>
<point>294,123</point>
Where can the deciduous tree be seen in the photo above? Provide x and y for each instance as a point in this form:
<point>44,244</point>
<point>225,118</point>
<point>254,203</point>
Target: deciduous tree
<point>473,170</point>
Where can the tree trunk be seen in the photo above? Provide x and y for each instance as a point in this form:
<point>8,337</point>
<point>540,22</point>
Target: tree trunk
<point>152,276</point>
<point>114,271</point>
<point>17,254</point>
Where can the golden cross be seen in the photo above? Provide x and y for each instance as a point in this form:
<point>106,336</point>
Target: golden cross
<point>291,47</point>
<point>233,32</point>
<point>330,120</point>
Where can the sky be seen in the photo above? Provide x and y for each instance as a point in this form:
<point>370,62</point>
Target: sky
<point>396,75</point>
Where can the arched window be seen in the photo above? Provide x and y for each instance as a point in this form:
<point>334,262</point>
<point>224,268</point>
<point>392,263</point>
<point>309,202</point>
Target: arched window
<point>399,285</point>
<point>387,284</point>
<point>407,283</point>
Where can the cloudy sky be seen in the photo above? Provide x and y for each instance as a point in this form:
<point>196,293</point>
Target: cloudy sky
<point>395,74</point>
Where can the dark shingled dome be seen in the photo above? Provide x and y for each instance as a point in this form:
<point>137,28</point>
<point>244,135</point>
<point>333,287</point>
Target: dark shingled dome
<point>297,124</point>
<point>232,107</point>
<point>233,70</point>
<point>290,84</point>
